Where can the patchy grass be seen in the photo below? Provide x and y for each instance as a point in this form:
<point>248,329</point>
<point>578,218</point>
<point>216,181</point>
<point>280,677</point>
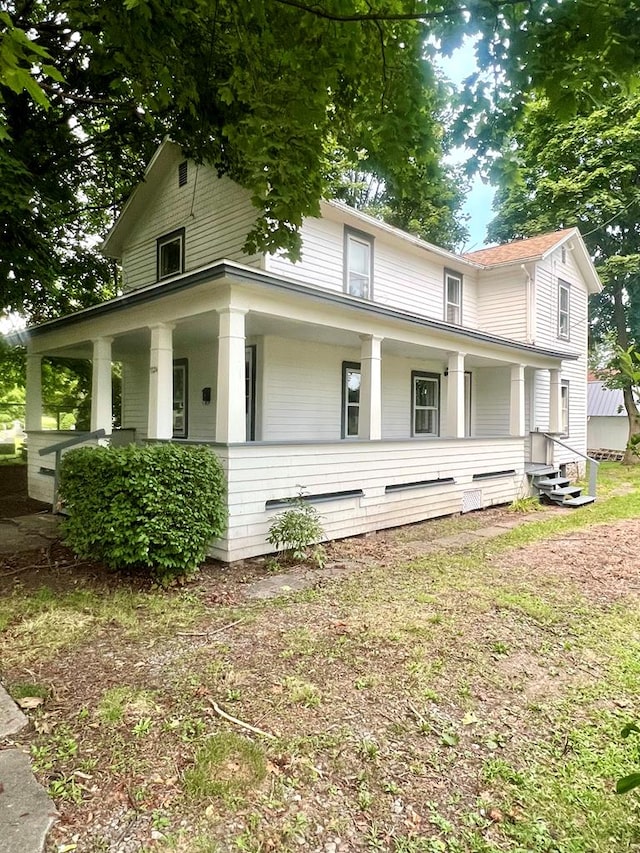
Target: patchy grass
<point>463,700</point>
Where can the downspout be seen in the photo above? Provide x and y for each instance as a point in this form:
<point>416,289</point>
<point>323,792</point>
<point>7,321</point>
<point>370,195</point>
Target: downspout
<point>529,328</point>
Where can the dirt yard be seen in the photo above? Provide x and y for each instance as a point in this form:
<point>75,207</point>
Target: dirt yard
<point>427,698</point>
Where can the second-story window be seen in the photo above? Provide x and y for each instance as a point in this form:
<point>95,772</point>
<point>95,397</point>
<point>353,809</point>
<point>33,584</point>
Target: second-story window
<point>563,310</point>
<point>170,254</point>
<point>358,264</point>
<point>453,297</point>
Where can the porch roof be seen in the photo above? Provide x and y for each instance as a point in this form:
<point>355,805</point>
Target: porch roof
<point>233,272</point>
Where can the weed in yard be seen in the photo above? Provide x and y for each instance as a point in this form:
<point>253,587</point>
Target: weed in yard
<point>118,702</point>
<point>368,748</point>
<point>21,690</point>
<point>65,789</point>
<point>500,648</point>
<point>528,604</point>
<point>227,765</point>
<point>301,692</point>
<point>143,727</point>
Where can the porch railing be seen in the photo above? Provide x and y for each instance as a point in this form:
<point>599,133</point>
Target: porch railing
<point>57,448</point>
<point>592,464</point>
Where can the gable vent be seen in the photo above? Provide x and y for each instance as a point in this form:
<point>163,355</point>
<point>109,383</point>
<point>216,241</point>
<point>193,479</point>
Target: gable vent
<point>182,173</point>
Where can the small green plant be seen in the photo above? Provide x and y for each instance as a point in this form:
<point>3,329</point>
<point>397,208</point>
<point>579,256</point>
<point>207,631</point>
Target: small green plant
<point>142,727</point>
<point>300,692</point>
<point>628,783</point>
<point>296,529</point>
<point>529,504</point>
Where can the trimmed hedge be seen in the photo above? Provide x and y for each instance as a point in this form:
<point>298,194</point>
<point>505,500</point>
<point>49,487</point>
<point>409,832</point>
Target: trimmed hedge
<point>157,506</point>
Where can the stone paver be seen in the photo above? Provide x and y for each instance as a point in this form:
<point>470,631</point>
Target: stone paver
<point>26,811</point>
<point>12,720</point>
<point>27,533</point>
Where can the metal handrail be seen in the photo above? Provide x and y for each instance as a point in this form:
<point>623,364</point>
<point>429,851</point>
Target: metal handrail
<point>593,464</point>
<point>65,445</point>
<point>71,442</point>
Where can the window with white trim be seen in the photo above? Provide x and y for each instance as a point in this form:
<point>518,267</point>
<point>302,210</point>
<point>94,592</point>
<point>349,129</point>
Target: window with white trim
<point>358,264</point>
<point>425,403</point>
<point>563,310</point>
<point>564,407</point>
<point>452,297</point>
<point>351,379</point>
<point>170,254</point>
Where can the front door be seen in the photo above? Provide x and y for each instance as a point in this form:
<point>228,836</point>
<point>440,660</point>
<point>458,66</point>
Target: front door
<point>180,398</point>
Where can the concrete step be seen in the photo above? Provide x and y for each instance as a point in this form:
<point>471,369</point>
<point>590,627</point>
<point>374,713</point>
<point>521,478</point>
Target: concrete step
<point>579,501</point>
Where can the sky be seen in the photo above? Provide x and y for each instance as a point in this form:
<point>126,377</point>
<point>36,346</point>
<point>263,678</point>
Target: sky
<point>457,67</point>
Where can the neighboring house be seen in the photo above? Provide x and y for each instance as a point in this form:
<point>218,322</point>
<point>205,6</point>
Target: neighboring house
<point>390,379</point>
<point>607,423</point>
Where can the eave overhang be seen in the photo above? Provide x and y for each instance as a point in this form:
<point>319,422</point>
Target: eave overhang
<point>232,272</point>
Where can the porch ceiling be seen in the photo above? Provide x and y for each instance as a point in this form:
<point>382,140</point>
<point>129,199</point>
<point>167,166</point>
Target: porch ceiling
<point>202,328</point>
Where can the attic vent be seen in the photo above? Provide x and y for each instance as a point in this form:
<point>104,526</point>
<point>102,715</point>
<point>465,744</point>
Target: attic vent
<point>182,173</point>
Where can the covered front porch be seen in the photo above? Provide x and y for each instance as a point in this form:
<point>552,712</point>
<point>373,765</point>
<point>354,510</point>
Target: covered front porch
<point>381,417</point>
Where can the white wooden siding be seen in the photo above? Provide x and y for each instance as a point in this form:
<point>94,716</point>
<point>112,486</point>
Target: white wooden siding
<point>216,214</point>
<point>135,395</point>
<point>492,392</point>
<point>404,277</point>
<point>366,466</point>
<point>502,303</point>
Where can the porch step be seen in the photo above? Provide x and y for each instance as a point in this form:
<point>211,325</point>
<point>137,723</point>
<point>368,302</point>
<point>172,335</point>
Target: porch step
<point>580,500</point>
<point>541,470</point>
<point>557,489</point>
<point>550,483</point>
<point>564,492</point>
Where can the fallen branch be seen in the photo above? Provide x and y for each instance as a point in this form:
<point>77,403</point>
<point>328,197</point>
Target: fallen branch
<point>238,722</point>
<point>209,633</point>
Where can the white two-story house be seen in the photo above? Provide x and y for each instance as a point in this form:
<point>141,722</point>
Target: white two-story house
<point>389,379</point>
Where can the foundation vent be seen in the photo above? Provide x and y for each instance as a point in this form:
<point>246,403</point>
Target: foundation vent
<point>471,499</point>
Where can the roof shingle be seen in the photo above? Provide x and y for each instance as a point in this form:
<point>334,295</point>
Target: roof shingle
<point>519,250</point>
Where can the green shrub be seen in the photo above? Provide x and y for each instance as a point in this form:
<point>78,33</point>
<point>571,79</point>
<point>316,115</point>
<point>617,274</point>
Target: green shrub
<point>157,506</point>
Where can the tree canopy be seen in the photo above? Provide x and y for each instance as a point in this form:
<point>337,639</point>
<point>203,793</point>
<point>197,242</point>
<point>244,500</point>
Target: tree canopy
<point>285,96</point>
<point>584,172</point>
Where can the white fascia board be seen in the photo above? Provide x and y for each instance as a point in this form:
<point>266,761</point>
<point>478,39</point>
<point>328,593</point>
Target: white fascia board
<point>357,217</point>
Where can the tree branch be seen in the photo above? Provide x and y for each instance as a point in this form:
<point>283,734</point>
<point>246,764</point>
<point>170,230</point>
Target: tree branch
<point>319,12</point>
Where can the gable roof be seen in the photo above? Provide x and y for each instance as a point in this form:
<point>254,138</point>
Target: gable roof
<point>529,249</point>
<point>538,248</point>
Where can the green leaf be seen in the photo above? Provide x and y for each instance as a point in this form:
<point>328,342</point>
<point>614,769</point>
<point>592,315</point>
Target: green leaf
<point>628,783</point>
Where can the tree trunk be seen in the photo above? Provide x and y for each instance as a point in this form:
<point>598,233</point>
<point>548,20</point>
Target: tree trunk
<point>632,452</point>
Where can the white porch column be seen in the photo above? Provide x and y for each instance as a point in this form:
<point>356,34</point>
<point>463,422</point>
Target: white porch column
<point>455,395</point>
<point>370,416</point>
<point>516,421</point>
<point>231,424</point>
<point>160,422</point>
<point>33,412</point>
<point>555,402</point>
<point>101,393</point>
